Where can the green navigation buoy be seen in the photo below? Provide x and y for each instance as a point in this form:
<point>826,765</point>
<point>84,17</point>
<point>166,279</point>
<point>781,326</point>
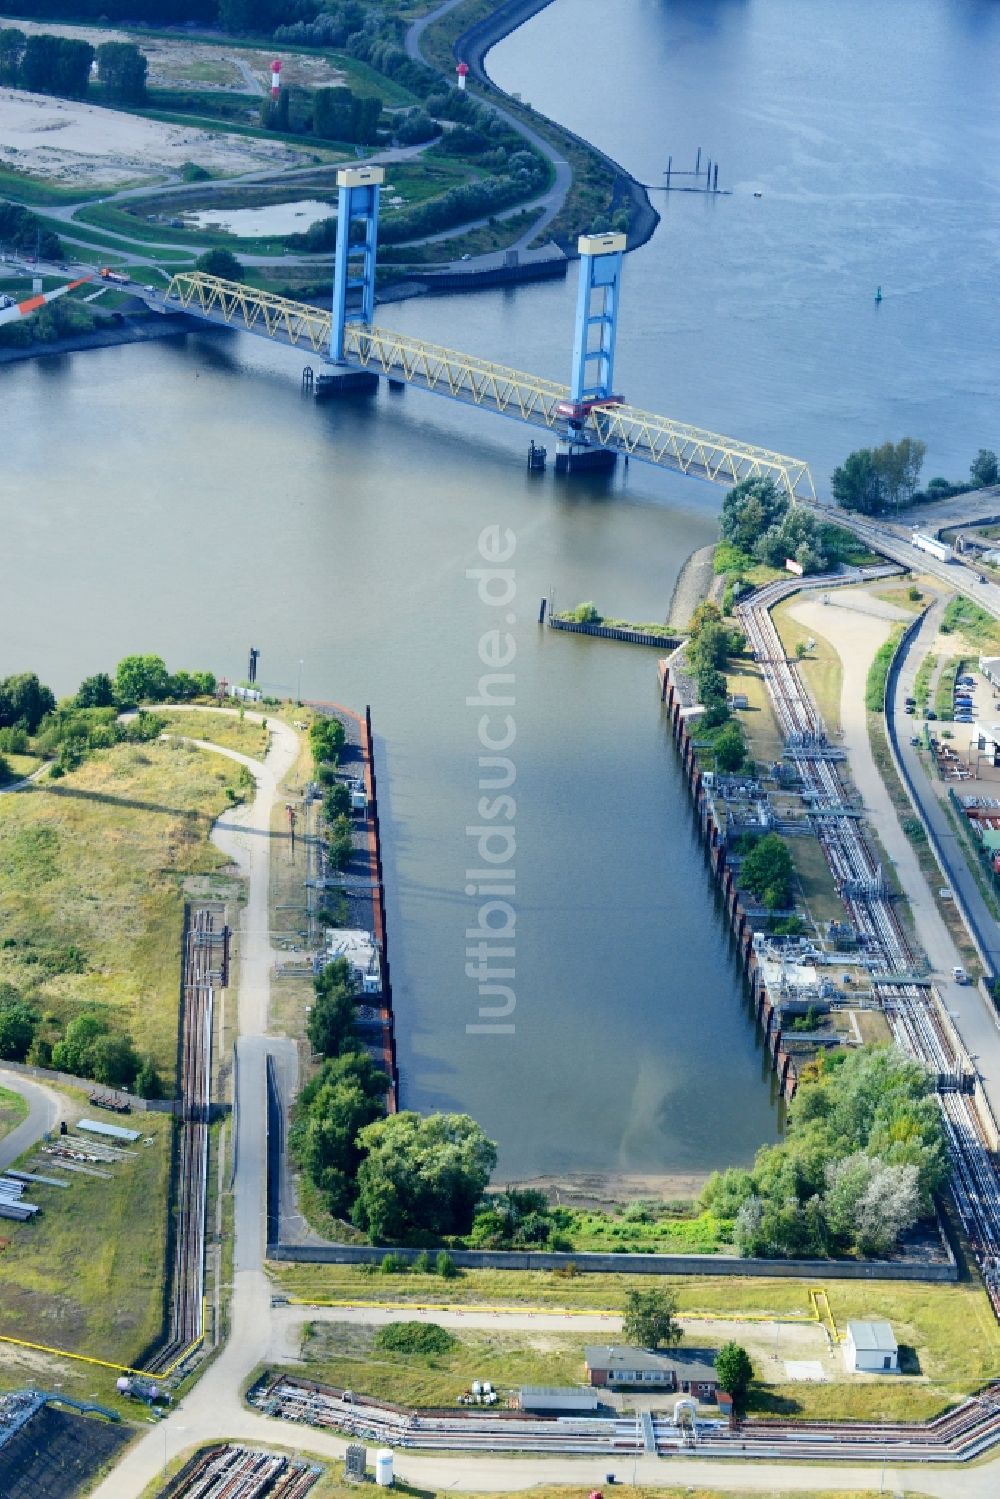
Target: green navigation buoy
<point>878,294</point>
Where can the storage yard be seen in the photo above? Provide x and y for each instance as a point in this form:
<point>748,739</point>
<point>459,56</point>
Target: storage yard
<point>232,1472</point>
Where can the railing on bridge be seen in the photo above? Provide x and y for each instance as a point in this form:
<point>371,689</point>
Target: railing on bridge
<point>495,387</point>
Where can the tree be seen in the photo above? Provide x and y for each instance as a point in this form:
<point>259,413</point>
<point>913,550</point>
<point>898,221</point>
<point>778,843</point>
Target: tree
<point>870,1203</point>
<point>148,1083</point>
<point>857,484</point>
<point>735,1371</point>
<point>767,871</point>
<point>326,739</point>
<point>730,749</point>
<point>346,1095</point>
<point>121,68</point>
<point>749,509</point>
<point>650,1318</point>
<point>331,1019</point>
<point>12,45</point>
<point>222,263</point>
<point>336,802</point>
<point>422,1175</point>
<point>984,470</point>
<point>96,692</point>
<point>112,1060</point>
<point>140,679</point>
<point>24,702</point>
<point>898,466</point>
<point>17,1025</point>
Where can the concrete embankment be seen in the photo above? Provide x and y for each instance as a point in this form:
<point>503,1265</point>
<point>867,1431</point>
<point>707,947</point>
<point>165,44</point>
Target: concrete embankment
<point>764,1010</point>
<point>695,583</point>
<point>130,330</point>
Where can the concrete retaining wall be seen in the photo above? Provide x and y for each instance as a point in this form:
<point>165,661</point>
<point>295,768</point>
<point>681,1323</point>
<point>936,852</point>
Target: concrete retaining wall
<point>629,1264</point>
<point>67,1080</point>
<point>739,921</point>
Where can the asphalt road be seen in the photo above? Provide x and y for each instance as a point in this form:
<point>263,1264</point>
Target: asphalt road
<point>44,1113</point>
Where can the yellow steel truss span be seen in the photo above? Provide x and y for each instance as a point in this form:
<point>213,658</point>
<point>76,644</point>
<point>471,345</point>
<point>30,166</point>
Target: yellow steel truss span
<point>497,387</point>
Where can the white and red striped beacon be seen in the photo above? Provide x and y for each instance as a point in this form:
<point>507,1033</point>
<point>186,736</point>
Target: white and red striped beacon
<point>463,72</point>
<point>275,77</point>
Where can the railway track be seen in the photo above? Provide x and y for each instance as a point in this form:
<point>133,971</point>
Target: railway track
<point>913,1012</point>
<point>205,966</point>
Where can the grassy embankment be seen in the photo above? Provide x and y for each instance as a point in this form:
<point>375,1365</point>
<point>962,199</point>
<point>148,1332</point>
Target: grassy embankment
<point>231,731</point>
<point>591,192</point>
<point>92,877</point>
<point>87,1275</point>
<point>948,1332</point>
<point>12,1110</point>
<point>92,869</point>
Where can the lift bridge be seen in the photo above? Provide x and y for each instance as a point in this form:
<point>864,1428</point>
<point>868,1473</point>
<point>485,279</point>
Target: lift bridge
<point>592,424</point>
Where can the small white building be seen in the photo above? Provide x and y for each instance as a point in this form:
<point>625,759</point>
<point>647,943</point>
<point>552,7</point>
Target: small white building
<point>870,1348</point>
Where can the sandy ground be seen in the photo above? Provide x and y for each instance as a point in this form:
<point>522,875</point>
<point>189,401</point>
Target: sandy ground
<point>600,1189</point>
<point>84,145</point>
<point>188,64</point>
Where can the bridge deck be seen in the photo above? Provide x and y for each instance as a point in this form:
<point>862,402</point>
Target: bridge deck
<point>494,387</point>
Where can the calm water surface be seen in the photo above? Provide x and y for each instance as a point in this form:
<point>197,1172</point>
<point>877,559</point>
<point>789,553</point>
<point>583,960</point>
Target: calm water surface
<point>185,499</point>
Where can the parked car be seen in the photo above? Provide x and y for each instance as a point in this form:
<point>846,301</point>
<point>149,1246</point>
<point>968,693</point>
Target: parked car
<point>911,708</point>
<point>914,738</point>
<point>959,974</point>
<point>945,893</point>
<point>964,718</point>
<point>967,681</point>
<point>931,714</point>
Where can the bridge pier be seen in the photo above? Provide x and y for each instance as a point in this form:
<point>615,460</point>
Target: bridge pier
<point>581,458</point>
<point>336,381</point>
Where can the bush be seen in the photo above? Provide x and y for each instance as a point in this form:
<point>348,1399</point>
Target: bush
<point>415,1337</point>
<point>394,1264</point>
<point>445,1265</point>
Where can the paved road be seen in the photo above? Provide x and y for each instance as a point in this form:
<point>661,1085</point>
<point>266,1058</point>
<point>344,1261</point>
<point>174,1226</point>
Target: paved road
<point>552,202</point>
<point>975,1019</point>
<point>44,1112</point>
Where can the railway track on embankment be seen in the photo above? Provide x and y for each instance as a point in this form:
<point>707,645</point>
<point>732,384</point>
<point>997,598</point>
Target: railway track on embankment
<point>206,967</point>
<point>915,1015</point>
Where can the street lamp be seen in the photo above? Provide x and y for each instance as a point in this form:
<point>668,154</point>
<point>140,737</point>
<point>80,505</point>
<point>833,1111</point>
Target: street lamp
<point>298,696</point>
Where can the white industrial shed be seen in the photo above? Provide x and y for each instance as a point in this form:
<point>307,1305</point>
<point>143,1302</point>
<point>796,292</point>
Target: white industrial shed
<point>871,1348</point>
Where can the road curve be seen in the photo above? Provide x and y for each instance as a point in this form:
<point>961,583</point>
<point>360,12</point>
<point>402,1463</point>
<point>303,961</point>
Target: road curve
<point>44,1112</point>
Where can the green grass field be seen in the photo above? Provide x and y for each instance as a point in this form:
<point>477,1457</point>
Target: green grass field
<point>228,730</point>
<point>86,1276</point>
<point>950,1338</point>
<point>91,875</point>
<point>12,1110</point>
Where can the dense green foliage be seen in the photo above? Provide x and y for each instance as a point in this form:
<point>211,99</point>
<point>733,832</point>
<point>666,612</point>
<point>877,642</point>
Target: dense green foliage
<point>145,679</point>
<point>415,1337</point>
<point>347,1094</point>
<point>767,871</point>
<point>222,263</point>
<point>872,479</point>
<point>21,230</point>
<point>519,1219</point>
<point>24,701</point>
<point>970,620</point>
<point>878,673</point>
<point>710,645</point>
<point>983,470</point>
<point>863,1155</point>
<point>331,1019</point>
<point>735,1371</point>
<point>340,115</point>
<point>421,1177</point>
<point>649,1319</point>
<point>760,521</point>
<point>121,68</point>
<point>17,1025</point>
<point>327,736</point>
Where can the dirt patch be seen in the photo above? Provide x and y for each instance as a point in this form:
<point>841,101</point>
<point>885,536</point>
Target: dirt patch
<point>82,145</point>
<point>598,1190</point>
<point>187,64</point>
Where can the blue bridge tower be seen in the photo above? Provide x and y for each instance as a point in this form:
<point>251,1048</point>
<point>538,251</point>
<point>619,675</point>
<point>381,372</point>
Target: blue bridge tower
<point>601,258</point>
<point>353,273</point>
